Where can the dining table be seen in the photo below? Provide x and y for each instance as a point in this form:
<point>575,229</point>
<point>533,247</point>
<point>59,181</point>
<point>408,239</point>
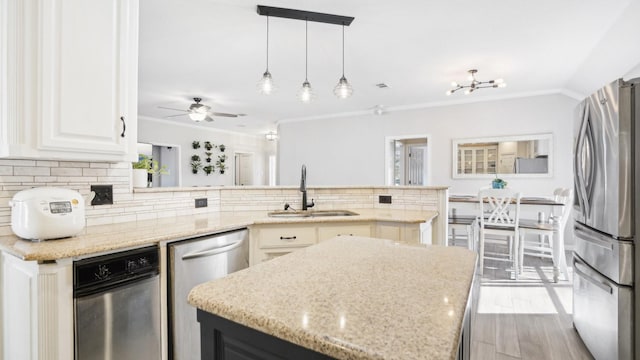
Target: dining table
<point>546,206</point>
<point>465,207</point>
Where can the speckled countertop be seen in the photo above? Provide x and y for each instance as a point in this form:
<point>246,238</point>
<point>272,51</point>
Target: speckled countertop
<point>353,298</point>
<point>105,238</point>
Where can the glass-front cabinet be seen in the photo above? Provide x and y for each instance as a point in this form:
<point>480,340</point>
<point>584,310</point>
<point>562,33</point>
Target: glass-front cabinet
<point>477,159</point>
<point>514,156</point>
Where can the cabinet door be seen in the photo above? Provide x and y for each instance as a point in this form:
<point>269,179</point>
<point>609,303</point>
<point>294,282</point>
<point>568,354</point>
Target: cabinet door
<point>88,69</point>
<point>326,232</point>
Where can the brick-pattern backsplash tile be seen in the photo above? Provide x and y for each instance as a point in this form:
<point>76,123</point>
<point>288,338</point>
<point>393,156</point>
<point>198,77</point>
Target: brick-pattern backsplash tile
<point>17,175</point>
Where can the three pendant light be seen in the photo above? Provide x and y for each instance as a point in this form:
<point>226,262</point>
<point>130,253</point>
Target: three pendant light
<point>342,90</point>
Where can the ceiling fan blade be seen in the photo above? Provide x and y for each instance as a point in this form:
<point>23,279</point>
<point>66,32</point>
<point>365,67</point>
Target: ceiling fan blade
<point>168,108</point>
<point>175,115</point>
<point>208,118</point>
<point>223,114</point>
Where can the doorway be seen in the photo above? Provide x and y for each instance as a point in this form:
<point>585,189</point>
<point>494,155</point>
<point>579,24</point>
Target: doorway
<point>407,160</point>
<point>243,169</point>
<point>167,156</point>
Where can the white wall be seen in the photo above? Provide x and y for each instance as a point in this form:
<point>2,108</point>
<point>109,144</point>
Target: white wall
<point>350,151</point>
<point>616,55</point>
<point>156,131</point>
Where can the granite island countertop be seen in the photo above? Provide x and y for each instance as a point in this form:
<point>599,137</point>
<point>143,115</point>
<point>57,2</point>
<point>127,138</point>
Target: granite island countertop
<point>352,298</point>
<point>105,238</point>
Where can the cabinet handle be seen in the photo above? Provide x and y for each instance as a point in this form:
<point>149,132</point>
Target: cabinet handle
<point>287,237</point>
<point>124,126</point>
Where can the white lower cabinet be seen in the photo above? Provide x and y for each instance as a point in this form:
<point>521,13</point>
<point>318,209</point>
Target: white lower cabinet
<point>400,232</point>
<point>270,241</point>
<point>37,309</point>
<point>326,232</point>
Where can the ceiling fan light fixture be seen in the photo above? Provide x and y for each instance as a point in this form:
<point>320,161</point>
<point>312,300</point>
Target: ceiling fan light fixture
<point>197,116</point>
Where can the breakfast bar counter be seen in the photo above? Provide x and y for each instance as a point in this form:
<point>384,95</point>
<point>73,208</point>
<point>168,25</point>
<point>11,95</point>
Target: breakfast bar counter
<point>345,298</point>
<point>113,237</point>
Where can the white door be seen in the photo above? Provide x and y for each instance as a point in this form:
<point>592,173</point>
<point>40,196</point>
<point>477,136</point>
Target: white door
<point>415,168</point>
<point>244,169</point>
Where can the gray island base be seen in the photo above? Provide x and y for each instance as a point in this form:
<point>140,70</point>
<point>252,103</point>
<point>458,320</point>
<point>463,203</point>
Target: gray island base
<point>345,298</point>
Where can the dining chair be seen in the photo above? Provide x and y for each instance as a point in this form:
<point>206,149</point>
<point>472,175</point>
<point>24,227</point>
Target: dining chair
<point>461,230</point>
<point>498,225</point>
<point>552,243</point>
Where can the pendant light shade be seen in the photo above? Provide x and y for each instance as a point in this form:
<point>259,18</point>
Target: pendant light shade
<point>266,85</point>
<point>343,89</point>
<point>306,94</point>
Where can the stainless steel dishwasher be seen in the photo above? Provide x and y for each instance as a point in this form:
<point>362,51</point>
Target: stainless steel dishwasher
<point>117,306</point>
<point>192,262</point>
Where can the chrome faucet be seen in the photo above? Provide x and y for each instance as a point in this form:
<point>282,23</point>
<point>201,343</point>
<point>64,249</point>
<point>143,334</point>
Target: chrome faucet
<point>303,189</point>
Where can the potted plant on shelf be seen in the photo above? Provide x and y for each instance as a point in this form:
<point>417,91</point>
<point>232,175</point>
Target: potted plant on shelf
<point>195,164</point>
<point>221,147</point>
<point>208,169</point>
<point>143,167</point>
<point>208,159</point>
<point>222,158</point>
<point>208,145</point>
<point>195,144</point>
<point>498,183</point>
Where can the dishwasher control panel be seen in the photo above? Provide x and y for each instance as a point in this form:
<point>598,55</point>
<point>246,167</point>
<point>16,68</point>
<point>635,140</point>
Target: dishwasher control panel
<point>113,269</point>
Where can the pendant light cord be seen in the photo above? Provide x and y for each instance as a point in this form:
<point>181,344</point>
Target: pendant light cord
<point>306,49</point>
<point>343,50</point>
<point>267,43</point>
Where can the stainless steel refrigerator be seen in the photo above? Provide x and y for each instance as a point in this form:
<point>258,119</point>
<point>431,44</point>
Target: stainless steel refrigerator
<point>606,258</point>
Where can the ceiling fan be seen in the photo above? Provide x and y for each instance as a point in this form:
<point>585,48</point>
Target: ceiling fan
<point>198,112</point>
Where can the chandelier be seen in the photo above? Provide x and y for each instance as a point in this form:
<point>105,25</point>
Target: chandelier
<point>475,84</point>
<point>266,85</point>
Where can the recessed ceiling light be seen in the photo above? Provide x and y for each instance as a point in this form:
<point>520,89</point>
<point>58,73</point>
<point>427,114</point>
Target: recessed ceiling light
<point>382,85</point>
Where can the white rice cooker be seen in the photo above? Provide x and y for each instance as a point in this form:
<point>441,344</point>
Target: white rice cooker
<point>47,213</point>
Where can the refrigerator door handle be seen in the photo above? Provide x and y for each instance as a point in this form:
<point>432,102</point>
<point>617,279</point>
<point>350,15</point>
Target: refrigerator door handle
<point>580,188</point>
<point>213,251</point>
<point>591,169</point>
<point>576,267</point>
<point>592,239</point>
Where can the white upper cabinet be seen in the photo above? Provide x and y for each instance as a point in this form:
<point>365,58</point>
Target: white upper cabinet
<point>70,70</point>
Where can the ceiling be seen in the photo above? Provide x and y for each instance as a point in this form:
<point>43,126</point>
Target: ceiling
<point>217,50</point>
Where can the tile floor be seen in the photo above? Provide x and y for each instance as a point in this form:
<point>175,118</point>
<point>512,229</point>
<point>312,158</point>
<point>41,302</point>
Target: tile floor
<point>525,319</point>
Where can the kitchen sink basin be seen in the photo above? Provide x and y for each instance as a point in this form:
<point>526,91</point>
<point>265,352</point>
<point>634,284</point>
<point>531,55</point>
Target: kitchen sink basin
<point>311,213</point>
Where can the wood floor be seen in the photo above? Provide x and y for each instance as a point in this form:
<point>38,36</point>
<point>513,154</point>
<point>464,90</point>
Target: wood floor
<point>525,319</point>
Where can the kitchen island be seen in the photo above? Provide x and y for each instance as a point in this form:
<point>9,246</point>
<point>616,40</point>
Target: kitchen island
<point>345,298</point>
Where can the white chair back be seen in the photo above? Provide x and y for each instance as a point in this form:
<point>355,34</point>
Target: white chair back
<point>502,208</point>
<point>566,198</point>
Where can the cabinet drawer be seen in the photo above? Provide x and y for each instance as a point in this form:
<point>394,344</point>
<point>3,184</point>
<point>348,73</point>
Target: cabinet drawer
<point>289,236</point>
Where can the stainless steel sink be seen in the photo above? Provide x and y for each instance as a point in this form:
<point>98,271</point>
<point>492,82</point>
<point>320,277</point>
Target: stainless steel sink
<point>311,213</point>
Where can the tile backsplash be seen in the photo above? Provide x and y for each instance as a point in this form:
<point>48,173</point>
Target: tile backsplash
<point>145,204</point>
<point>16,175</point>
